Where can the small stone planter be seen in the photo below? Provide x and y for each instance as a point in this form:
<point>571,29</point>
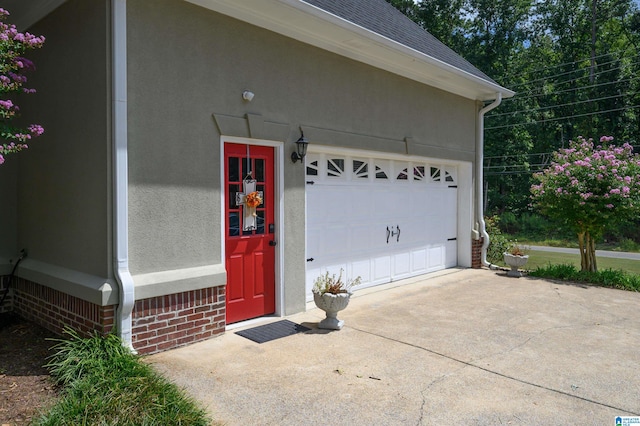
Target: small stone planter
<point>331,304</point>
<point>515,262</point>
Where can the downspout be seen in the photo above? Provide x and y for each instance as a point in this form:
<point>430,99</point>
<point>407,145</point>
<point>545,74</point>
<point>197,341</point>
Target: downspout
<point>479,175</point>
<point>120,172</point>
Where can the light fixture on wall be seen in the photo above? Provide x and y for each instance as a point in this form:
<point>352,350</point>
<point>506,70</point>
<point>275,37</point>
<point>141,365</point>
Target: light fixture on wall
<point>301,148</point>
<point>248,95</point>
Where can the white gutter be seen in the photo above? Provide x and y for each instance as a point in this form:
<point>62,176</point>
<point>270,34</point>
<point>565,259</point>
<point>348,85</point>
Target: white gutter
<point>479,176</point>
<point>120,172</point>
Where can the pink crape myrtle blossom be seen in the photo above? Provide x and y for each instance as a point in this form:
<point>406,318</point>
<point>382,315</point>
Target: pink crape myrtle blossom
<point>590,187</point>
<point>13,66</point>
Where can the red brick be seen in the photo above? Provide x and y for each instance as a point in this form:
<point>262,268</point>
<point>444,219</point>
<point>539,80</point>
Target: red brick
<point>143,320</point>
<point>143,336</point>
<point>195,317</point>
<point>157,325</point>
<point>165,346</point>
<point>139,329</point>
<point>178,320</point>
<point>177,335</point>
<point>202,322</point>
<point>167,330</point>
<point>167,316</point>
<point>185,312</point>
<point>186,339</point>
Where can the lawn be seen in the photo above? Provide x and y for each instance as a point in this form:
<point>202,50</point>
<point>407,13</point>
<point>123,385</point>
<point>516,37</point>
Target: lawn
<point>544,258</point>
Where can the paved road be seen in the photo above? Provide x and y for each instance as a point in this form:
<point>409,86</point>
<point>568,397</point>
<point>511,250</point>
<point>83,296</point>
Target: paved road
<point>601,253</point>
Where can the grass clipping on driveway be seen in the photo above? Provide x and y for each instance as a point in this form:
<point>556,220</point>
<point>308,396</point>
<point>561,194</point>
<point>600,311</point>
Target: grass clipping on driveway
<point>105,384</point>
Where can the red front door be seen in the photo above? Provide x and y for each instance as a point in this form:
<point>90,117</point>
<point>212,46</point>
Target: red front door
<point>250,253</point>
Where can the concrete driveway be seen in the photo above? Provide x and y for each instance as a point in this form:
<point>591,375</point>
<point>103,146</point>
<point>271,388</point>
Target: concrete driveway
<point>468,347</point>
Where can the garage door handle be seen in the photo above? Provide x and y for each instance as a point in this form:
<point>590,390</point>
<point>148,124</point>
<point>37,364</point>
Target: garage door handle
<point>398,228</point>
<point>388,234</point>
<point>310,259</point>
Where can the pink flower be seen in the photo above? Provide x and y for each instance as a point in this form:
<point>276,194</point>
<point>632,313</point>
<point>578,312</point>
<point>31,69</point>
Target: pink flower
<point>609,206</point>
<point>36,129</point>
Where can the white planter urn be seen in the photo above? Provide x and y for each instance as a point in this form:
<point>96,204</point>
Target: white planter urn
<point>515,262</point>
<point>331,304</point>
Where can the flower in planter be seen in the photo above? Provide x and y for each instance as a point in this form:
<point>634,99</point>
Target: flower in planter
<point>331,284</point>
<point>516,249</point>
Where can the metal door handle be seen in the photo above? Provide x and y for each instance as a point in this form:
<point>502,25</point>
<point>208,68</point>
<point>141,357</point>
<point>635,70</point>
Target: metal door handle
<point>272,243</point>
<point>388,233</point>
<point>310,259</point>
<point>398,228</point>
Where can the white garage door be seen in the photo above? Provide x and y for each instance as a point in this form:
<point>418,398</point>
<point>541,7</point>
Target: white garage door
<point>382,220</point>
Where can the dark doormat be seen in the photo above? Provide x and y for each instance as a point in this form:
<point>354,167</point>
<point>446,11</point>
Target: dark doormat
<point>273,331</point>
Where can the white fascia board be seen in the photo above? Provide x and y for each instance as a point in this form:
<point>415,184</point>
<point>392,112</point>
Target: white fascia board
<point>314,26</point>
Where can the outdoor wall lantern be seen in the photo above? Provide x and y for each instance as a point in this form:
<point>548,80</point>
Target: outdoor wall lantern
<point>301,148</point>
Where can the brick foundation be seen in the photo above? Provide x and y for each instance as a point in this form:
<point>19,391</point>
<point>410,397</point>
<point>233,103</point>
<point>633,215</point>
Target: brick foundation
<point>53,309</point>
<point>166,322</point>
<point>476,253</point>
<point>158,323</point>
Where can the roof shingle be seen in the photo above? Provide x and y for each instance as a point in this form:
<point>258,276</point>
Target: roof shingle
<point>382,18</point>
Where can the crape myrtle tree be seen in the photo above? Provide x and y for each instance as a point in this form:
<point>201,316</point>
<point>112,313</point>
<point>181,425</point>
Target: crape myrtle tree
<point>590,188</point>
<point>13,44</point>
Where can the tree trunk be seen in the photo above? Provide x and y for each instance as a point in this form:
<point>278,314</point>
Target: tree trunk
<point>587,252</point>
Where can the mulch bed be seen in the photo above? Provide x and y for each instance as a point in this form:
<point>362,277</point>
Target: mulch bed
<point>25,385</point>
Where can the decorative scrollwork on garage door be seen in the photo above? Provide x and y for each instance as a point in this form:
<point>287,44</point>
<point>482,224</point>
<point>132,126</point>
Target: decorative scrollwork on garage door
<point>360,169</point>
<point>345,168</point>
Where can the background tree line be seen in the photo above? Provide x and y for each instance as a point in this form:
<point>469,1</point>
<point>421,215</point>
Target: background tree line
<point>575,67</point>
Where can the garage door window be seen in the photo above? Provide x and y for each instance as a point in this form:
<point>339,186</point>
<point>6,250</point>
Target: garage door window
<point>353,169</point>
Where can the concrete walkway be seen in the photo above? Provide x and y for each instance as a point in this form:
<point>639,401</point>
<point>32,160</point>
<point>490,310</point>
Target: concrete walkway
<point>468,347</point>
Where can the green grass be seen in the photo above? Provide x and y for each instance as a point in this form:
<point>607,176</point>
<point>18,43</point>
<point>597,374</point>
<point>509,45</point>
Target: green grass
<point>544,258</point>
<point>104,384</point>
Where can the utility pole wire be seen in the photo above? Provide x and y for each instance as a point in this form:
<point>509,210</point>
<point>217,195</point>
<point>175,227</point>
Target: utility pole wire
<point>517,98</point>
<point>557,106</point>
<point>562,118</point>
<point>565,63</point>
<point>573,71</point>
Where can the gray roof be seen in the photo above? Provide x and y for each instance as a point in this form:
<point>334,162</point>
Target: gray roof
<point>382,18</point>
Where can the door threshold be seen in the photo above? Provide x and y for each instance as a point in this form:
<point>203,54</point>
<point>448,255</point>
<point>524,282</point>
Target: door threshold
<point>253,321</point>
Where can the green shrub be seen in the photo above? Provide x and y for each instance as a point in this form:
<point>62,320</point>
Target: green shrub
<point>105,384</point>
<point>613,278</point>
<point>627,244</point>
<point>498,243</point>
<point>509,223</point>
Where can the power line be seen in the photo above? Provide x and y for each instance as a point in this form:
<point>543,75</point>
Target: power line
<point>573,71</point>
<point>516,97</point>
<point>574,79</point>
<point>562,118</point>
<point>556,106</point>
<point>565,63</point>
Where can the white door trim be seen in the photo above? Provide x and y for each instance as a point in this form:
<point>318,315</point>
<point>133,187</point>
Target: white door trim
<point>278,174</point>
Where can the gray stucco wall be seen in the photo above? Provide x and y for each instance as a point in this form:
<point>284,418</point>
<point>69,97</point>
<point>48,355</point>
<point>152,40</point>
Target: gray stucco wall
<point>8,213</point>
<point>187,63</point>
<point>63,197</point>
